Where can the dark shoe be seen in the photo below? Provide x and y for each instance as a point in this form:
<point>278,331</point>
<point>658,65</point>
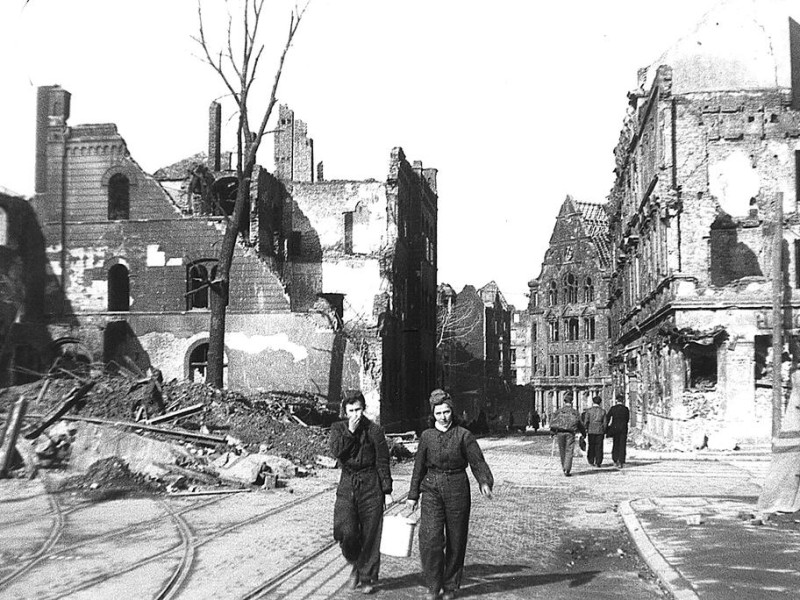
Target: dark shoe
<point>566,474</point>
<point>353,581</point>
<point>367,588</point>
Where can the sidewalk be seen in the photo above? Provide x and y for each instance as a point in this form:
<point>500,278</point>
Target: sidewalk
<point>712,548</point>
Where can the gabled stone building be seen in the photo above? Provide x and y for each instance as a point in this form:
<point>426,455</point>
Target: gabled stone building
<point>708,149</point>
<point>129,256</point>
<point>567,306</point>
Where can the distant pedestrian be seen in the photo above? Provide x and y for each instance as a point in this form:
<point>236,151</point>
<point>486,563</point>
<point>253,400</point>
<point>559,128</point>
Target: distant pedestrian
<point>594,423</point>
<point>617,429</point>
<point>564,424</point>
<point>443,454</point>
<point>535,420</point>
<point>365,489</point>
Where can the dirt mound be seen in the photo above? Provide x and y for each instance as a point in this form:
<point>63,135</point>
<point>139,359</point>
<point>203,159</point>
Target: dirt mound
<point>109,478</point>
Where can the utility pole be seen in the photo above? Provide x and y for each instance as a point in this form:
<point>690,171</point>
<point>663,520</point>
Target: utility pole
<point>777,318</point>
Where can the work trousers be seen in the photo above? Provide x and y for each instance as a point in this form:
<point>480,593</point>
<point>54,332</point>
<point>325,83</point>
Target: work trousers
<point>443,528</point>
<point>594,450</point>
<point>358,520</point>
<point>618,450</point>
<point>566,448</point>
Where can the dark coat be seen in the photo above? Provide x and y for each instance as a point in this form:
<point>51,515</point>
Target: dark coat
<point>363,449</point>
<point>617,419</point>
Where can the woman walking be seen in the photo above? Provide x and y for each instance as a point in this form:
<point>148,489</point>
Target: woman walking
<point>365,489</point>
<point>443,454</point>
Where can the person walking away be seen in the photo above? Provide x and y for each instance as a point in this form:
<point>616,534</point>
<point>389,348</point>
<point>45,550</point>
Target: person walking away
<point>564,424</point>
<point>365,489</point>
<point>617,421</point>
<point>443,454</point>
<point>594,423</point>
<point>535,420</point>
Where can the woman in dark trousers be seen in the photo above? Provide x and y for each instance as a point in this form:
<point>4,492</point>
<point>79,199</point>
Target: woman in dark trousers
<point>365,489</point>
<point>443,454</point>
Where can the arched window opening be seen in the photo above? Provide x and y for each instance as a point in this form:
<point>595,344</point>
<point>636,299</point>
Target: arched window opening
<point>572,328</point>
<point>552,294</point>
<point>119,189</point>
<point>570,289</point>
<point>3,227</point>
<point>588,290</point>
<point>119,289</point>
<point>198,365</point>
<point>199,276</point>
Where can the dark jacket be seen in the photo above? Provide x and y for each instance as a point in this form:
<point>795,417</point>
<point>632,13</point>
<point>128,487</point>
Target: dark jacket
<point>364,449</point>
<point>566,419</point>
<point>594,420</point>
<point>449,451</point>
<point>617,419</point>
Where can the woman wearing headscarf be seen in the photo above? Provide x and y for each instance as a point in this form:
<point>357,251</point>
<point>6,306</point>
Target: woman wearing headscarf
<point>365,489</point>
<point>443,454</point>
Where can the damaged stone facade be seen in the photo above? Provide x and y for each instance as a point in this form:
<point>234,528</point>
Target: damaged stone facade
<point>474,349</point>
<point>368,248</point>
<point>567,307</point>
<point>709,146</point>
<point>129,256</point>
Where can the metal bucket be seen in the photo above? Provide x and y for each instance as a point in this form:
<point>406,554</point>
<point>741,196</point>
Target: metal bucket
<point>397,536</point>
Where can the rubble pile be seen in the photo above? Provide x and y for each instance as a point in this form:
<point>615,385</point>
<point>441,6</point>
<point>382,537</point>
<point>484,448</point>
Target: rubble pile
<point>200,422</point>
<point>109,477</point>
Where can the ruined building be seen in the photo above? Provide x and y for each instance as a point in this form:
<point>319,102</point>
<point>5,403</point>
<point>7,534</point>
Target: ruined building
<point>22,277</point>
<point>474,348</point>
<point>710,145</point>
<point>129,257</point>
<point>567,306</point>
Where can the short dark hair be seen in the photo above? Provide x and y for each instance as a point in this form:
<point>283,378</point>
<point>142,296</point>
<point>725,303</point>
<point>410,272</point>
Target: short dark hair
<point>597,400</point>
<point>351,397</point>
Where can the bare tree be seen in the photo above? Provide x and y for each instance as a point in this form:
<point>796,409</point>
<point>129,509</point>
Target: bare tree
<point>238,70</point>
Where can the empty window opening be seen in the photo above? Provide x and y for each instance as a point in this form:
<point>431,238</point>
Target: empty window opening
<point>702,365</point>
<point>199,276</point>
<point>198,364</point>
<point>295,244</point>
<point>119,290</point>
<point>119,189</point>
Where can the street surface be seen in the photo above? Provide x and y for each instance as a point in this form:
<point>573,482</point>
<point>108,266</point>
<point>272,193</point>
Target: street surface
<point>543,535</point>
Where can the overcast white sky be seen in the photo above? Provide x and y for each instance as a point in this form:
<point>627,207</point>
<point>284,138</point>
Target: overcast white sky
<point>516,102</point>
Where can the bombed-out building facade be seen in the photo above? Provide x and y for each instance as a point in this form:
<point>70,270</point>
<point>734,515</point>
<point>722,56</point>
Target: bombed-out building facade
<point>332,284</point>
<point>474,349</point>
<point>709,147</point>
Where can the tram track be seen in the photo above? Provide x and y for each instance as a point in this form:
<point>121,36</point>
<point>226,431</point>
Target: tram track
<point>273,583</point>
<point>187,546</point>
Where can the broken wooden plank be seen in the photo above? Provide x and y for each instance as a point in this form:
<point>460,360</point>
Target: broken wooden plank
<point>210,492</point>
<point>190,473</point>
<point>13,425</point>
<point>183,412</point>
<point>71,399</point>
<point>199,438</point>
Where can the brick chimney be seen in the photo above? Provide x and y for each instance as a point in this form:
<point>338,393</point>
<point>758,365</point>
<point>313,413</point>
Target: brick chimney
<point>214,136</point>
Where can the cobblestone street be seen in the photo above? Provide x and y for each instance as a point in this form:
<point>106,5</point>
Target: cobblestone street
<point>545,535</point>
<point>542,535</point>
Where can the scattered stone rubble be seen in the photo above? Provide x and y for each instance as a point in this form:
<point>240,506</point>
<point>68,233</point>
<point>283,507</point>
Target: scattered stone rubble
<point>176,436</point>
